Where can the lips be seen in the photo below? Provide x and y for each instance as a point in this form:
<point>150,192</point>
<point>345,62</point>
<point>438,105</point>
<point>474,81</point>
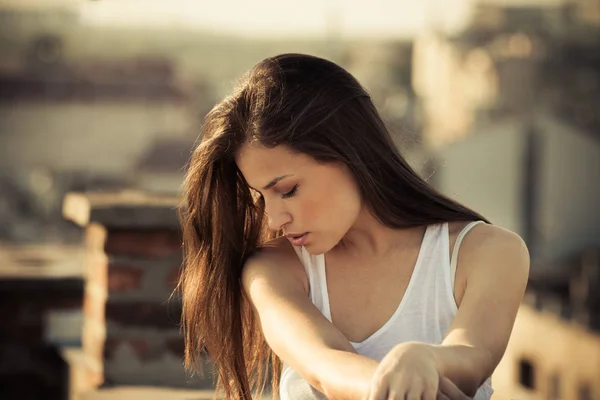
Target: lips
<point>297,239</point>
<point>293,235</point>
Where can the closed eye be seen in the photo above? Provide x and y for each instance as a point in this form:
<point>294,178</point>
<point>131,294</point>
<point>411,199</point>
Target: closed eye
<point>290,193</point>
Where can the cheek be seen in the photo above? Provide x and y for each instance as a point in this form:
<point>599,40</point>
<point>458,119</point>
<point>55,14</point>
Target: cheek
<point>346,208</point>
<point>336,209</point>
<point>310,211</point>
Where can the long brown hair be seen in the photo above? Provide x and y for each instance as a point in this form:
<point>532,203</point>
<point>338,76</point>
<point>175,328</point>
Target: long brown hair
<point>315,107</point>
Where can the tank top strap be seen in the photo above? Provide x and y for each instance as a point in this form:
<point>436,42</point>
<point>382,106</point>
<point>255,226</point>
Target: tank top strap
<point>459,239</point>
<point>314,266</point>
<point>321,285</point>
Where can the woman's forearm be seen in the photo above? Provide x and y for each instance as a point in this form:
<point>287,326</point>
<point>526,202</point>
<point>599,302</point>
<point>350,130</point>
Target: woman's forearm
<point>466,366</point>
<point>343,375</point>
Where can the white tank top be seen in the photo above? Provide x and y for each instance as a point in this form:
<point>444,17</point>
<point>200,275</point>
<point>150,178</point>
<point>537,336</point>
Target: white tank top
<point>424,313</point>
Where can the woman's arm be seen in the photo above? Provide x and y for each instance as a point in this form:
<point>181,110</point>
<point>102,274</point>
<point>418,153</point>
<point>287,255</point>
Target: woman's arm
<point>496,265</point>
<point>297,331</point>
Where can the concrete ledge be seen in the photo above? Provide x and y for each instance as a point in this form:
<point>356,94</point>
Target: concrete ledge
<point>41,262</point>
<point>76,356</point>
<point>124,209</point>
<point>152,393</point>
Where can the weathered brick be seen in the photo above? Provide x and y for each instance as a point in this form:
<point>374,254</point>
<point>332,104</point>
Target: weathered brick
<point>140,346</point>
<point>93,339</point>
<point>94,378</point>
<point>123,278</point>
<point>96,268</point>
<point>145,314</point>
<point>94,349</point>
<point>143,243</point>
<point>93,306</point>
<point>85,373</point>
<point>95,237</point>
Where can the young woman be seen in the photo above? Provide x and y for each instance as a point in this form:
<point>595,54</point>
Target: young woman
<point>313,247</point>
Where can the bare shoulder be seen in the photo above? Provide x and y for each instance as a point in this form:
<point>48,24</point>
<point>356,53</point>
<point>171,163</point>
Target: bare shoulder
<point>275,262</point>
<point>489,236</point>
<point>488,246</point>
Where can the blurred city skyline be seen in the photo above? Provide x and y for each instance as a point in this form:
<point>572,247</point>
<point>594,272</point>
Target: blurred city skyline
<point>495,103</point>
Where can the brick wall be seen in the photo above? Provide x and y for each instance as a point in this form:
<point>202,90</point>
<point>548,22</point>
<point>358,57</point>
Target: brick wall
<point>41,287</point>
<point>131,317</point>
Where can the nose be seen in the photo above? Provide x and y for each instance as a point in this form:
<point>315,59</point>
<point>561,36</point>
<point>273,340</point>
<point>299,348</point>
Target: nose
<point>277,217</point>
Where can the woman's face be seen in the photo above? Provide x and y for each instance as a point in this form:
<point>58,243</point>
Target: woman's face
<point>301,195</point>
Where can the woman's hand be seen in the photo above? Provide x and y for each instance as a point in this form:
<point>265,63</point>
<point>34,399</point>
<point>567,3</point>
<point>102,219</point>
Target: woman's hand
<point>411,371</point>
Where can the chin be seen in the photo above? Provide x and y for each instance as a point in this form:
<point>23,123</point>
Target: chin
<point>313,250</point>
<point>318,248</point>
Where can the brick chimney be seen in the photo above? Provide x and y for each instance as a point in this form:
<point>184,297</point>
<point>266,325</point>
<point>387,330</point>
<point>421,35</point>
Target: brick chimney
<point>131,316</point>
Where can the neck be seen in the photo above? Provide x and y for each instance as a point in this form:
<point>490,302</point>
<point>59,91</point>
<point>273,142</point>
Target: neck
<point>369,238</point>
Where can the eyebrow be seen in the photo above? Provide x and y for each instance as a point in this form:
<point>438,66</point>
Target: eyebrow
<point>274,181</point>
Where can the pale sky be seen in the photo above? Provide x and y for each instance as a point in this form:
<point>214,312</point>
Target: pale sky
<point>348,18</point>
<point>280,18</point>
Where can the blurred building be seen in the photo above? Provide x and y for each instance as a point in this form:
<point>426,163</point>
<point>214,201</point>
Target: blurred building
<point>511,105</point>
<point>161,169</point>
<point>510,61</point>
<point>538,178</point>
<point>73,126</point>
<point>100,116</point>
<point>516,94</point>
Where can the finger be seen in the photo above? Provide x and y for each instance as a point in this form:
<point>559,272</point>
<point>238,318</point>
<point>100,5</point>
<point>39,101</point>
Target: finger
<point>395,395</point>
<point>414,393</point>
<point>378,392</point>
<point>451,390</point>
<point>429,393</point>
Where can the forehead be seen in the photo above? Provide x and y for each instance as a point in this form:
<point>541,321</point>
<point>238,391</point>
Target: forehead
<point>260,164</point>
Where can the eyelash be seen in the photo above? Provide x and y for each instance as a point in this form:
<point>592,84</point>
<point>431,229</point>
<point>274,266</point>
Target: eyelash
<point>290,193</point>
